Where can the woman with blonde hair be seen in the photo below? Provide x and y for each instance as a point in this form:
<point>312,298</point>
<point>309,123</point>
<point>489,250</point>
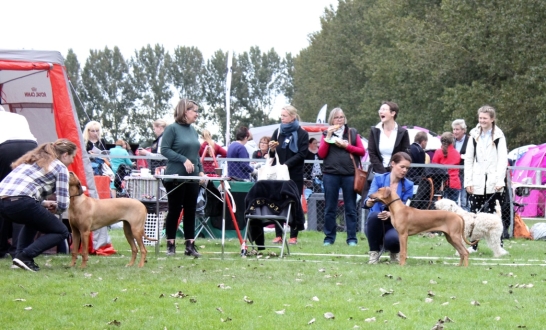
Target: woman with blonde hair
<point>180,145</point>
<point>485,164</point>
<point>212,150</point>
<point>291,143</point>
<point>448,155</point>
<point>92,137</point>
<point>36,175</point>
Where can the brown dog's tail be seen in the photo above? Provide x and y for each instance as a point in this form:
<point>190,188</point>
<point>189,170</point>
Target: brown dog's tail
<point>464,237</point>
<point>150,239</point>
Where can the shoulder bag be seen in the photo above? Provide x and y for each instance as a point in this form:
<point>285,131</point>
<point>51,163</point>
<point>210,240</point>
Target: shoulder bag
<point>360,174</point>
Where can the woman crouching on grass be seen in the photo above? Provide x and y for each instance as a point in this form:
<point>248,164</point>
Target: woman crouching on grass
<point>36,175</point>
<point>381,234</point>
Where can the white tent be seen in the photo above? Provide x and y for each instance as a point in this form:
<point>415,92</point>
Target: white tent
<point>433,142</point>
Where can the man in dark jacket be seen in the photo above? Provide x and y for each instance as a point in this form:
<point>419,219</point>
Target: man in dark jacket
<point>461,140</point>
<point>417,153</point>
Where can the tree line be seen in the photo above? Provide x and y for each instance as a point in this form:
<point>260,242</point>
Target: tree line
<point>127,95</point>
<point>438,59</point>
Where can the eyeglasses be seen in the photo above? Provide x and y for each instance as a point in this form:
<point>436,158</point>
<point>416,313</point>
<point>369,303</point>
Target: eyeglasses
<point>263,142</point>
<point>93,130</point>
<point>339,117</point>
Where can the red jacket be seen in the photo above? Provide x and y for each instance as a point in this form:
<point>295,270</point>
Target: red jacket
<point>453,158</point>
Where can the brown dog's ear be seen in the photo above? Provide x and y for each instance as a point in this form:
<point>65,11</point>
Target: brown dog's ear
<point>387,192</point>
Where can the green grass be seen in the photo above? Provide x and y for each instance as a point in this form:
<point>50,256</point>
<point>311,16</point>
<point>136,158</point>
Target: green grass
<point>338,276</point>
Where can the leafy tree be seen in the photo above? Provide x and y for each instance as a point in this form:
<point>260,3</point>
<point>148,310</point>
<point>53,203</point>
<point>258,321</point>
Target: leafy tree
<point>108,94</point>
<point>73,70</point>
<point>186,69</point>
<point>151,82</point>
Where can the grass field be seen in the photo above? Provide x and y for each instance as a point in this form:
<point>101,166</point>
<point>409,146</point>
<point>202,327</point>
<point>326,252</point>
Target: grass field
<point>293,293</point>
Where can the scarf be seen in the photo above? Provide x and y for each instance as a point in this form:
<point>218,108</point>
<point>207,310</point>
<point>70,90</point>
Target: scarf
<point>291,133</point>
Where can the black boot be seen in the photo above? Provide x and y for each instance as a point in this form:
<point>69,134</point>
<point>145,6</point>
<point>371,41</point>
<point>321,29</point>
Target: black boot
<point>190,249</point>
<point>171,248</point>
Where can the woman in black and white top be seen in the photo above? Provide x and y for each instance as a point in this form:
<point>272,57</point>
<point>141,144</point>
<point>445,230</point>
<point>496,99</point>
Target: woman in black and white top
<point>386,138</point>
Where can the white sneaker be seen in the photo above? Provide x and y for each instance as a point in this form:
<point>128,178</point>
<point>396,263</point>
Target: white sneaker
<point>395,258</point>
<point>374,257</point>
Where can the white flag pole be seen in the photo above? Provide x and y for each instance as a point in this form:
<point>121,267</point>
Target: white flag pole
<point>321,118</point>
<point>228,96</point>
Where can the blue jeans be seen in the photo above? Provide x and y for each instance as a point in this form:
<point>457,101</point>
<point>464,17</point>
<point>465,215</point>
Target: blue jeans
<point>381,233</point>
<point>452,194</point>
<point>35,217</point>
<point>464,196</point>
<point>332,184</point>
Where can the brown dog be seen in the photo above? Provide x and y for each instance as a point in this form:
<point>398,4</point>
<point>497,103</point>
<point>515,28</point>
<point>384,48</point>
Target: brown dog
<point>87,214</point>
<point>409,221</point>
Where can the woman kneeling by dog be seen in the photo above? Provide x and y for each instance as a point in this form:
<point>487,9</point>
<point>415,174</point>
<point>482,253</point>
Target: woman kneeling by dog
<point>378,229</point>
<point>36,175</point>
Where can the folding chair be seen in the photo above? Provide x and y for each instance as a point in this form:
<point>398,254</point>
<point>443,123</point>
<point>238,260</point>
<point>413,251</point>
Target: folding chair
<point>209,204</point>
<point>271,202</point>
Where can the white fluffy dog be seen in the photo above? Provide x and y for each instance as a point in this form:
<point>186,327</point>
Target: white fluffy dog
<point>479,226</point>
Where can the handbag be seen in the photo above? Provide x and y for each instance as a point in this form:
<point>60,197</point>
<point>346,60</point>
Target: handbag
<point>360,175</point>
<point>273,172</point>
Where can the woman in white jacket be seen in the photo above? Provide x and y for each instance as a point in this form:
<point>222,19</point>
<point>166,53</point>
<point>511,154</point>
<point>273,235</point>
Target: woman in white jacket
<point>485,163</point>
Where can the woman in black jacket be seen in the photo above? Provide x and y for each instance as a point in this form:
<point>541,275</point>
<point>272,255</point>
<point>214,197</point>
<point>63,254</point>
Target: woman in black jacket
<point>386,138</point>
<point>290,142</point>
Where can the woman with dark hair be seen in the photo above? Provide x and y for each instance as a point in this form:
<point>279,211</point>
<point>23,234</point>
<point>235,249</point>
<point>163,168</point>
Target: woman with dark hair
<point>290,142</point>
<point>236,149</point>
<point>379,230</point>
<point>36,175</point>
<point>386,138</point>
<point>338,173</point>
<point>448,155</point>
<point>180,145</point>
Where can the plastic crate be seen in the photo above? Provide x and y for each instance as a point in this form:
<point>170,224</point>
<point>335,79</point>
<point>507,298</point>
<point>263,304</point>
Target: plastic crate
<point>150,227</point>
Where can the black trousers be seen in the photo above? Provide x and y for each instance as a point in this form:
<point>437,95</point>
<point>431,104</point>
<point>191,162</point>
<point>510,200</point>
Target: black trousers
<point>10,151</point>
<point>181,195</point>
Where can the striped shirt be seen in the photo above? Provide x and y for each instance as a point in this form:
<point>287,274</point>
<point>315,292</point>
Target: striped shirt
<point>33,181</point>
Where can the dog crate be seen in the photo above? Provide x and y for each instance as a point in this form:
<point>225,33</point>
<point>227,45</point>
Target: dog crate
<point>153,220</point>
<point>144,188</point>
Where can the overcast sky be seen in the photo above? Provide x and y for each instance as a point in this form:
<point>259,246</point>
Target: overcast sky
<point>206,24</point>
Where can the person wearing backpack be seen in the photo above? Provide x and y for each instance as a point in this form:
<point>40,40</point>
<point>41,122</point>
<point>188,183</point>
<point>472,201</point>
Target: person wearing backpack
<point>485,164</point>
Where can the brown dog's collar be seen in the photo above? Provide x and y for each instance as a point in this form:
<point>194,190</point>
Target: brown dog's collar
<point>80,192</point>
<point>394,200</point>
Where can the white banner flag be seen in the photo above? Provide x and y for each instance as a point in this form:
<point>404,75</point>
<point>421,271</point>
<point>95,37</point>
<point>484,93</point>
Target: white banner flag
<point>228,95</point>
<point>321,118</point>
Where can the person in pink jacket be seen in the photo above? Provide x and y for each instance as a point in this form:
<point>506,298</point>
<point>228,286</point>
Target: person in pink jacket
<point>448,155</point>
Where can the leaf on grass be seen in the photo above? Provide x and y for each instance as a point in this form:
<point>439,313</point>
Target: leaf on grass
<point>363,308</point>
<point>193,300</point>
<point>179,294</point>
<point>115,299</point>
<point>226,320</point>
<point>446,303</point>
<point>223,286</point>
<point>177,307</point>
<point>201,246</point>
<point>299,280</point>
<point>338,283</point>
<point>114,322</point>
<point>329,315</point>
<point>385,292</point>
<point>497,318</point>
<point>93,294</point>
<point>87,305</point>
<point>312,321</point>
<point>475,303</point>
<point>322,270</point>
<point>429,300</point>
<point>248,301</point>
<point>28,308</point>
<point>388,275</point>
<point>433,282</point>
<point>356,327</point>
<point>379,311</point>
<point>161,295</point>
<point>453,297</point>
<point>371,319</point>
<point>87,275</point>
<point>522,326</point>
<point>431,294</point>
<point>281,312</point>
<point>315,298</point>
<point>19,299</point>
<point>396,303</point>
<point>400,314</point>
<point>484,282</point>
<point>219,309</point>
